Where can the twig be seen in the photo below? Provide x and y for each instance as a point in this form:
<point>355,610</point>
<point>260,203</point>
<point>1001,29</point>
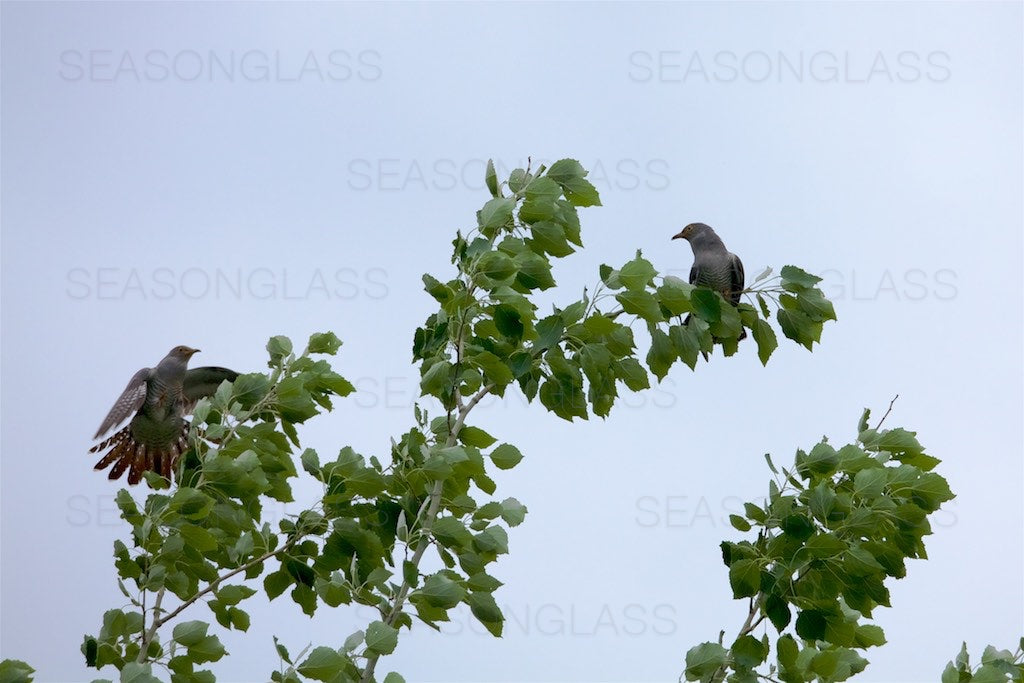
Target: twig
<point>147,636</point>
<point>877,426</point>
<point>160,621</point>
<point>428,522</point>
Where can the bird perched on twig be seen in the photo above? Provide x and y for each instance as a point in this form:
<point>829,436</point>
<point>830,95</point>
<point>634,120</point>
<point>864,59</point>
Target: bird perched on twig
<point>160,397</point>
<point>714,266</point>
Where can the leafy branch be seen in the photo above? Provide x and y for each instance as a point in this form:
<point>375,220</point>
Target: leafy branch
<point>834,528</point>
<point>997,666</point>
<point>367,537</point>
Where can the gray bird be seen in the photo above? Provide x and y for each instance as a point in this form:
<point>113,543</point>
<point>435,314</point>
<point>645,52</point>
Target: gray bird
<point>160,397</point>
<point>714,266</point>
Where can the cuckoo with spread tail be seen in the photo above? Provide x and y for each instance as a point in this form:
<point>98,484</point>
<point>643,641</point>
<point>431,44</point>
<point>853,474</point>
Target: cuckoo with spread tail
<point>159,397</point>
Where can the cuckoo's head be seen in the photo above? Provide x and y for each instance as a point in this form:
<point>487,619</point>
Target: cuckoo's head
<point>692,230</point>
<point>183,352</point>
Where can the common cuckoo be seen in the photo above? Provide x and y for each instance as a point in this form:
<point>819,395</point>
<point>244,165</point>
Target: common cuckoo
<point>714,266</point>
<point>160,397</point>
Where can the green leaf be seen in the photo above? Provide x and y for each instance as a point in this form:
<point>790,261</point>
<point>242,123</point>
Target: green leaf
<point>642,304</point>
<point>704,660</point>
<point>497,265</point>
<point>191,503</point>
<point>810,625</point>
<point>739,523</point>
<point>571,176</point>
<point>777,610</point>
<point>798,327</point>
<point>486,610</point>
<point>517,179</point>
<point>134,672</point>
<point>322,664</point>
<point>548,236</point>
<point>549,332</point>
<point>543,190</point>
<point>631,373</point>
<point>436,379</point>
<point>209,649</point>
<point>674,295</point>
<point>15,671</point>
<point>278,347</point>
<point>474,436</point>
<point>190,633</point>
<point>609,276</point>
<point>277,582</point>
<point>440,591</point>
<point>509,321</point>
<point>451,532</point>
<point>493,539</point>
<point>795,279</point>
<point>745,578</point>
<point>662,353</point>
<point>506,456</point>
<point>513,512</point>
<point>311,462</point>
<point>788,651</point>
<point>707,304</point>
<point>564,398</point>
<point>354,640</point>
<point>495,214</point>
<point>764,335</point>
<point>991,673</point>
<point>381,638</point>
<point>494,369</point>
<point>869,635</point>
<point>686,340</point>
<point>239,619</point>
<point>637,274</point>
<point>233,594</point>
<point>748,652</point>
<point>491,179</point>
<point>437,289</point>
<point>823,546</point>
<point>870,483</point>
<point>324,342</point>
<point>392,677</point>
<point>815,305</point>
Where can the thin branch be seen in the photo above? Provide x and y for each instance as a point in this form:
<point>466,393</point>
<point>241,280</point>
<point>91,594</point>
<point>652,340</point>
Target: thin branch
<point>158,621</point>
<point>147,636</point>
<point>428,523</point>
<point>877,426</point>
<point>749,625</point>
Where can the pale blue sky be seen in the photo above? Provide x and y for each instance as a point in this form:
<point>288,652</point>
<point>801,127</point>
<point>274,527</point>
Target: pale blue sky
<point>213,174</point>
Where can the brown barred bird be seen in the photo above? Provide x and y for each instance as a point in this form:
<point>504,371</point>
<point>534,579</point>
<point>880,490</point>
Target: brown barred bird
<point>160,397</point>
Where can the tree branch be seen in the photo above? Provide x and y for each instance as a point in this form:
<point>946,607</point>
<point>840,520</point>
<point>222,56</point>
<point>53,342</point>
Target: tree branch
<point>877,426</point>
<point>428,523</point>
<point>160,621</point>
<point>147,636</point>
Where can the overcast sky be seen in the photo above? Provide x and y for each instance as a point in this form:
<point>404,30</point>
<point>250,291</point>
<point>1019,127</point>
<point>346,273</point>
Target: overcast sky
<point>214,174</point>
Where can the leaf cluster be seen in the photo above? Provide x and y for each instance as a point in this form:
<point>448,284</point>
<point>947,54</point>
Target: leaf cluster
<point>833,530</point>
<point>997,666</point>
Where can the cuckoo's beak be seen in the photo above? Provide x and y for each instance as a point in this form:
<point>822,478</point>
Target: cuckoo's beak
<point>679,236</point>
<point>192,352</point>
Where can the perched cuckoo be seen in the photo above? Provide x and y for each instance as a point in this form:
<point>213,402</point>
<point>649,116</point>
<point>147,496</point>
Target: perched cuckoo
<point>714,266</point>
<point>159,397</point>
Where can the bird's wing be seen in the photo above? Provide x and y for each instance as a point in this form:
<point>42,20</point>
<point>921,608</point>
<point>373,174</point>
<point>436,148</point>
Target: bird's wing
<point>202,382</point>
<point>694,273</point>
<point>127,403</point>
<point>736,277</point>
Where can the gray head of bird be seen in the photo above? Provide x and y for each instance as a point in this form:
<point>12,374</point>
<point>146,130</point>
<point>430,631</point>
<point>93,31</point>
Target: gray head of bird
<point>180,354</point>
<point>692,230</point>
